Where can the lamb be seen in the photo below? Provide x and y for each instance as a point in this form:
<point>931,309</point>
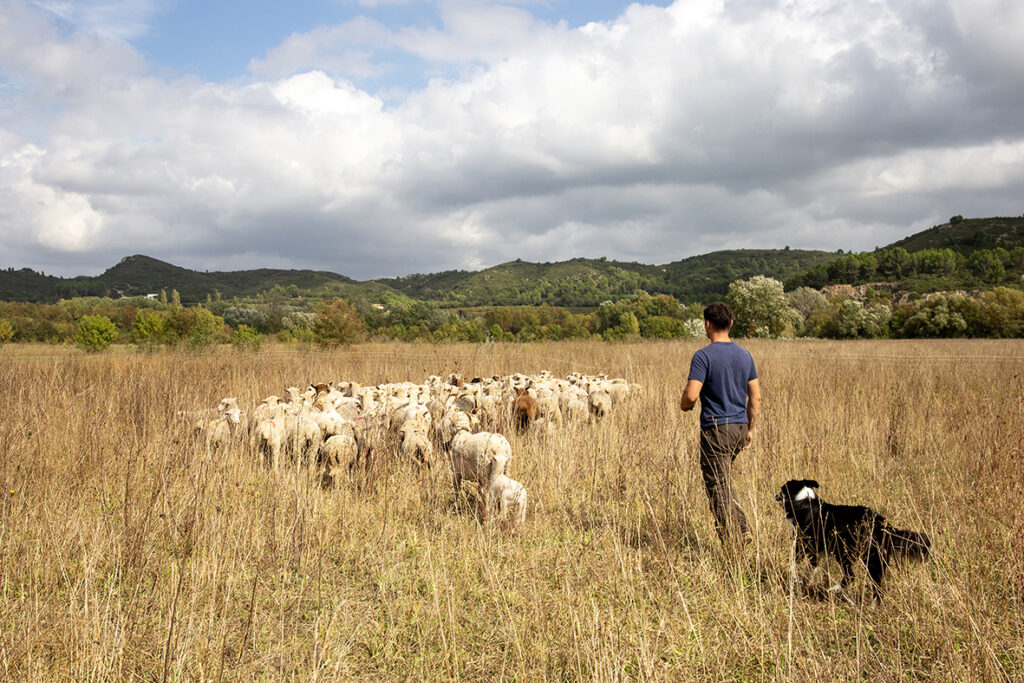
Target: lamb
<point>481,458</point>
<point>509,497</point>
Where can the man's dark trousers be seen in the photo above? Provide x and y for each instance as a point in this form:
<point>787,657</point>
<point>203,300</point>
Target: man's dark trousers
<point>719,446</point>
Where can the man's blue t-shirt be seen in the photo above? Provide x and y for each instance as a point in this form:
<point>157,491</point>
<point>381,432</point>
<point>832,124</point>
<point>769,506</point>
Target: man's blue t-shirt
<point>725,369</point>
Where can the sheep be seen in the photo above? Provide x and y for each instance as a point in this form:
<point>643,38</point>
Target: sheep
<point>303,436</point>
<point>410,413</point>
<point>270,437</point>
<point>600,404</point>
<point>617,389</point>
<point>454,421</point>
<point>329,421</point>
<point>524,410</point>
<point>481,458</point>
<point>416,446</point>
<point>267,409</point>
<point>509,497</point>
<point>337,450</point>
<point>577,410</point>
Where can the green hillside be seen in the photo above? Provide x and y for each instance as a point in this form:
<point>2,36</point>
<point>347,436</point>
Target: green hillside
<point>968,235</point>
<point>964,254</point>
<point>706,277</point>
<point>587,282</point>
<point>139,275</point>
<point>27,285</point>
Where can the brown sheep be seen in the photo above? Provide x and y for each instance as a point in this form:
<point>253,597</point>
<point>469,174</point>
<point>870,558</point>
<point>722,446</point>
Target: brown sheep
<point>524,410</point>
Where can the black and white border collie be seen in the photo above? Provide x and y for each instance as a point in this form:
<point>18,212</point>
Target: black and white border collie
<point>848,532</point>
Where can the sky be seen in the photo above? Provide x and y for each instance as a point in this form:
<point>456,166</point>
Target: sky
<point>379,138</point>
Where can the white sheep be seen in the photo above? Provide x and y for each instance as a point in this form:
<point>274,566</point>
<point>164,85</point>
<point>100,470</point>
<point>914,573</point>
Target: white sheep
<point>338,453</point>
<point>270,438</point>
<point>508,496</point>
<point>416,445</point>
<point>303,437</point>
<point>481,458</point>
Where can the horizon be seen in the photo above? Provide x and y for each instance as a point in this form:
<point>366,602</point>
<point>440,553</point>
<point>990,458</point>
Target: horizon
<point>411,274</point>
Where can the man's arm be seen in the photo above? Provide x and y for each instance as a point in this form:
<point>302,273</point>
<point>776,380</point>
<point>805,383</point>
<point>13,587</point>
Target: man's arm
<point>690,395</point>
<point>753,407</point>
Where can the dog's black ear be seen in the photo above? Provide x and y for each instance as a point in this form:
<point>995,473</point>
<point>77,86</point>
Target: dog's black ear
<point>810,482</point>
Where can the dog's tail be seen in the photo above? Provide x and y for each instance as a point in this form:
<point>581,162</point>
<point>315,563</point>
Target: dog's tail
<point>911,545</point>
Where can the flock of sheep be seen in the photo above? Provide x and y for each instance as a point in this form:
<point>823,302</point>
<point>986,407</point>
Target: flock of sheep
<point>341,427</point>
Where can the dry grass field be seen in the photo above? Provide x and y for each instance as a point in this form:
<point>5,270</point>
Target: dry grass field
<point>128,552</point>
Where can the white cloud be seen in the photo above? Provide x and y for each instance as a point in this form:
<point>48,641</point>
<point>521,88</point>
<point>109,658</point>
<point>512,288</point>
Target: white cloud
<point>665,133</point>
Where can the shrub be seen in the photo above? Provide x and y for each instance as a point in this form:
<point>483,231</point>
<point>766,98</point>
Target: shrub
<point>246,338</point>
<point>338,324</point>
<point>148,327</point>
<point>6,330</point>
<point>663,327</point>
<point>194,327</point>
<point>95,332</point>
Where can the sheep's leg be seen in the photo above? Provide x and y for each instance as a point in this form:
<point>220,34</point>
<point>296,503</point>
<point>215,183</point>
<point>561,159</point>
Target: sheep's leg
<point>483,502</point>
<point>484,482</point>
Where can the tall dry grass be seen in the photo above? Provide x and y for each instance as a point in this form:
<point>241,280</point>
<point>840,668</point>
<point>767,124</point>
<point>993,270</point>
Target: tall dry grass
<point>129,552</point>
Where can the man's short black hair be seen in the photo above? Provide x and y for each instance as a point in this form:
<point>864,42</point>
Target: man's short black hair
<point>719,314</point>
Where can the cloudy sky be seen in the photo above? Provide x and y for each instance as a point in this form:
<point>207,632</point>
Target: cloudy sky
<point>385,137</point>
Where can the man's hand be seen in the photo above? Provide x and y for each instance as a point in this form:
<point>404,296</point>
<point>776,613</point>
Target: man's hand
<point>750,437</point>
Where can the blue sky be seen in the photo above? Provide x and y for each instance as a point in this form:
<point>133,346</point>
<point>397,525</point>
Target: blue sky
<point>384,137</point>
<point>217,40</point>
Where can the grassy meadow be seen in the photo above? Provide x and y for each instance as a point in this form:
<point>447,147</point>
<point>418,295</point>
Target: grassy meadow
<point>129,552</point>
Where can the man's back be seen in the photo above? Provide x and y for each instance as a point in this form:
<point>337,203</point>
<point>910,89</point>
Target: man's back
<point>724,368</point>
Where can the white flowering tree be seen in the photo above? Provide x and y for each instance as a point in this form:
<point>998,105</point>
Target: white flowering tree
<point>762,308</point>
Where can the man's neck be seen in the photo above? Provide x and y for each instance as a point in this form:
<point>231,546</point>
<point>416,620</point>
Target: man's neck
<point>719,336</point>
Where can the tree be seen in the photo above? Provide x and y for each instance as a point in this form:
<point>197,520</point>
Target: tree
<point>338,324</point>
<point>942,315</point>
<point>761,308</point>
<point>6,330</point>
<point>628,327</point>
<point>663,327</point>
<point>175,298</point>
<point>148,327</point>
<point>95,332</point>
<point>806,301</point>
<point>987,265</point>
<point>853,320</point>
<point>1002,313</point>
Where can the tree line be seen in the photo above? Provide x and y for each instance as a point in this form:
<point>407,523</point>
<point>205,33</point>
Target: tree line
<point>762,305</point>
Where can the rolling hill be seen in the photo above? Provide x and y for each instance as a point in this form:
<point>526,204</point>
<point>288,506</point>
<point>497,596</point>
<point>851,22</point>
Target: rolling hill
<point>577,282</point>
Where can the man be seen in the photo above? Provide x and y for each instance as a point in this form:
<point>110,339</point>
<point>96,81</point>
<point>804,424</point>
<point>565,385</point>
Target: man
<point>723,377</point>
